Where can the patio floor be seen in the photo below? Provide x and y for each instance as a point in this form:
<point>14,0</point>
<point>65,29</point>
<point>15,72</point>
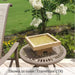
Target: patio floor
<point>64,63</point>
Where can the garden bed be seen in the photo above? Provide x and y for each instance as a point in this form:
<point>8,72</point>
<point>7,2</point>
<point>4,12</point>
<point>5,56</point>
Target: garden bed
<point>50,29</point>
<point>64,33</point>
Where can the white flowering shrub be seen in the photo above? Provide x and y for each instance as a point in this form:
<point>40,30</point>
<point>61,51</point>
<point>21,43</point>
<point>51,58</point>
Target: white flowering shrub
<point>61,9</point>
<point>43,10</point>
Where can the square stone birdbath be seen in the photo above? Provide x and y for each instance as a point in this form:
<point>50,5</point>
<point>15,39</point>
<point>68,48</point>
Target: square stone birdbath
<point>42,43</point>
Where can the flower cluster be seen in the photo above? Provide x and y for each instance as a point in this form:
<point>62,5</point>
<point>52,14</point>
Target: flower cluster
<point>61,9</point>
<point>37,4</point>
<point>10,42</point>
<point>36,22</point>
<point>49,15</point>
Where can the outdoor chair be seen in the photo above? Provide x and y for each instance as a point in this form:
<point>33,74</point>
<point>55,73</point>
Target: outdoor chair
<point>3,17</point>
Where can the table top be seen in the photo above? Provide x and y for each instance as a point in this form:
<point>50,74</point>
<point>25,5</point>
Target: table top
<point>29,56</point>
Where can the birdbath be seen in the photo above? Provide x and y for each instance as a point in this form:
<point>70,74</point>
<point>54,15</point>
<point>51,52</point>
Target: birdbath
<point>42,44</point>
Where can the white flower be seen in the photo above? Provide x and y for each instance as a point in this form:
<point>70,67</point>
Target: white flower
<point>62,5</point>
<point>49,15</point>
<point>36,22</point>
<point>57,10</point>
<point>61,9</point>
<point>37,4</point>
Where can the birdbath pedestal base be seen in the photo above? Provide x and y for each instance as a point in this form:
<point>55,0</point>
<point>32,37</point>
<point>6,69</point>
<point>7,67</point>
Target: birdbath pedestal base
<point>43,52</point>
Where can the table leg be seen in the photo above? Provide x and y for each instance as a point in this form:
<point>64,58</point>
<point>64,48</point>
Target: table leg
<point>16,58</point>
<point>39,66</point>
<point>35,66</point>
<point>54,65</point>
<point>11,63</point>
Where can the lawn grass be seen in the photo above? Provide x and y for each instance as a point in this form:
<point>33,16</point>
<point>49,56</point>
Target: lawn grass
<point>18,20</point>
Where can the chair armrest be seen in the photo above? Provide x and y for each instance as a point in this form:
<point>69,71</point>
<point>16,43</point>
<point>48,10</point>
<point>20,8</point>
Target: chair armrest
<point>10,52</point>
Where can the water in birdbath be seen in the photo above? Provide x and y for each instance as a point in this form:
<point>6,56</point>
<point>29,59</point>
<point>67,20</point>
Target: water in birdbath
<point>43,39</point>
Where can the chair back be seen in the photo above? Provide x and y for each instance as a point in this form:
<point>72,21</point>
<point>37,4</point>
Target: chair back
<point>3,18</point>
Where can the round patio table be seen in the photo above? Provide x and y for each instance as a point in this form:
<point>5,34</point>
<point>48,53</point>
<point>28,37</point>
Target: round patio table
<point>29,56</point>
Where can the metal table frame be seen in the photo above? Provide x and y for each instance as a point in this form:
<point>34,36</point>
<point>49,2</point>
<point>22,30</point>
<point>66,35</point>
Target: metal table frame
<point>29,56</point>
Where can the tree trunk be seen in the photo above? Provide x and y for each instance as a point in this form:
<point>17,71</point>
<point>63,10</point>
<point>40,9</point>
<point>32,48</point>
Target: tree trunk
<point>43,27</point>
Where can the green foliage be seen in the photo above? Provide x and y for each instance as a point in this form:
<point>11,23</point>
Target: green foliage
<point>19,20</point>
<point>8,44</point>
<point>72,26</point>
<point>71,7</point>
<point>48,5</point>
<point>65,1</point>
<point>67,41</point>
